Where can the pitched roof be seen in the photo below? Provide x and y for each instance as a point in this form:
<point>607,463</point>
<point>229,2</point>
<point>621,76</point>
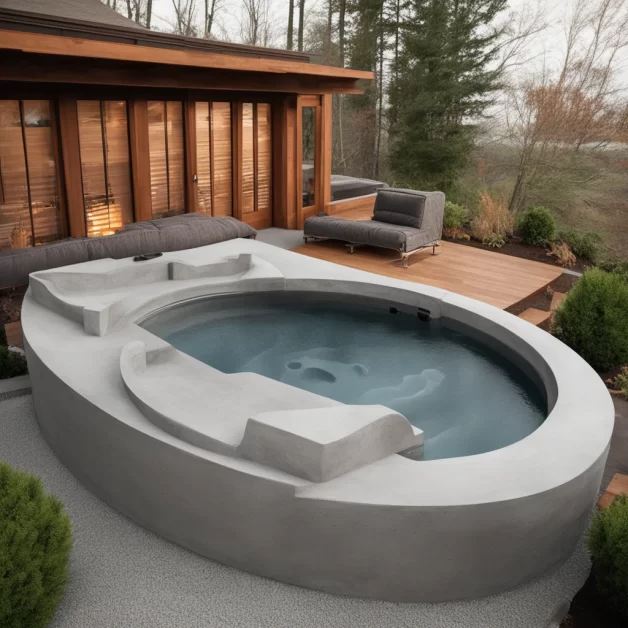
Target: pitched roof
<point>87,10</point>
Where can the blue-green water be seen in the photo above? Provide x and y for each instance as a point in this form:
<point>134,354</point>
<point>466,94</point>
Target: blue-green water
<point>467,398</point>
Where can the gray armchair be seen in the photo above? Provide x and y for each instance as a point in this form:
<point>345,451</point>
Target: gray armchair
<point>404,220</point>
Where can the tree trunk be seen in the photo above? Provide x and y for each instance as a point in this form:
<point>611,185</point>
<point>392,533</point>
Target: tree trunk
<point>149,12</point>
<point>380,95</point>
<point>290,44</point>
<point>129,9</point>
<point>330,14</point>
<point>301,23</point>
<point>397,22</point>
<point>341,31</point>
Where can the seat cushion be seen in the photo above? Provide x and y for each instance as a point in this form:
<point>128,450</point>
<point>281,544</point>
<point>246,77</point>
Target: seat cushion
<point>369,232</point>
<point>17,264</point>
<point>399,207</point>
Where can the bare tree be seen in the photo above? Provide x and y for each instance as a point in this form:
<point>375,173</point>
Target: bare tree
<point>301,25</point>
<point>185,15</point>
<point>290,39</point>
<point>211,8</point>
<point>257,26</point>
<point>552,113</point>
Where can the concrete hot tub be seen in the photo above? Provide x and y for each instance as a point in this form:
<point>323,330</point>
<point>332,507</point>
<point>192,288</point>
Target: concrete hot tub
<point>283,481</point>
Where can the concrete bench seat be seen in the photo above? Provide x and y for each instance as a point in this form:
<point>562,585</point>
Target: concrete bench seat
<point>403,220</point>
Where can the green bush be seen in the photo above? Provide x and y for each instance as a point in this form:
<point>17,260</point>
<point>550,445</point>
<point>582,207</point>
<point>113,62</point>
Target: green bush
<point>456,216</point>
<point>537,226</point>
<point>3,336</point>
<point>496,241</point>
<point>35,543</point>
<point>585,244</point>
<point>608,544</point>
<point>619,268</point>
<point>593,319</point>
<point>12,363</point>
<point>621,382</point>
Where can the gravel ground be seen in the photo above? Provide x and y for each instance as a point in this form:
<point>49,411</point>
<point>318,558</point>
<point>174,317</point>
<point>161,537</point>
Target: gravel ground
<point>123,576</point>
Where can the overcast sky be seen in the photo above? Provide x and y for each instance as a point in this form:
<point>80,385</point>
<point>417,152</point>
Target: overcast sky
<point>546,46</point>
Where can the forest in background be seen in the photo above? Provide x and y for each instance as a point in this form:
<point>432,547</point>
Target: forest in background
<point>465,99</point>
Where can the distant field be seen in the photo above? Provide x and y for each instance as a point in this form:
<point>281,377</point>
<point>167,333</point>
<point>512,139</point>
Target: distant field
<point>587,189</point>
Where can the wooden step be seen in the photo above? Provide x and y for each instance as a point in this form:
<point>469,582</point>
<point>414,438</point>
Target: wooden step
<point>14,334</point>
<point>618,485</point>
<point>534,316</point>
<point>557,299</point>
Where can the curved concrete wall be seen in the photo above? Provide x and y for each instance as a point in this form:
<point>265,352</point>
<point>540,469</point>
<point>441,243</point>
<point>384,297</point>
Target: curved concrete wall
<point>396,529</point>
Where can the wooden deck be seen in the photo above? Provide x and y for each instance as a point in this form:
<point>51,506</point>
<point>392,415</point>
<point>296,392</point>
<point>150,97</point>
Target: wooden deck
<point>495,278</point>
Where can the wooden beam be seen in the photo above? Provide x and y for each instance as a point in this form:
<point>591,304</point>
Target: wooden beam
<point>93,49</point>
<point>71,152</point>
<point>236,157</point>
<point>191,184</point>
<point>16,66</point>
<point>326,150</point>
<point>299,164</point>
<point>140,159</point>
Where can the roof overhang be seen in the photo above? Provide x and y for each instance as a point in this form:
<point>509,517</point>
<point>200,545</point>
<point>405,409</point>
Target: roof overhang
<point>64,59</point>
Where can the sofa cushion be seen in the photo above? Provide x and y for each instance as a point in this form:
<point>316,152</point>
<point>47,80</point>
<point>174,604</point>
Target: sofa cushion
<point>399,207</point>
<point>17,264</point>
<point>369,232</point>
<point>124,244</point>
<point>166,234</point>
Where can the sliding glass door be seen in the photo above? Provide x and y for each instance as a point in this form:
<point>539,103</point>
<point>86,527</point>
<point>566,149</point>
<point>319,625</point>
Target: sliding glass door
<point>105,165</point>
<point>29,196</point>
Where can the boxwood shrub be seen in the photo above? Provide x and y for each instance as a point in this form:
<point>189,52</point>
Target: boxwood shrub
<point>608,544</point>
<point>537,226</point>
<point>585,244</point>
<point>35,542</point>
<point>593,319</point>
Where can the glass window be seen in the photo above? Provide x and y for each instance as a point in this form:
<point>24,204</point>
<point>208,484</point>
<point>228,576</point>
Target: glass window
<point>309,155</point>
<point>248,159</point>
<point>167,157</point>
<point>105,165</point>
<point>29,202</point>
<point>213,158</point>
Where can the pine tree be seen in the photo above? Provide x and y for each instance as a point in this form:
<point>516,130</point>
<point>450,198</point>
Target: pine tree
<point>443,82</point>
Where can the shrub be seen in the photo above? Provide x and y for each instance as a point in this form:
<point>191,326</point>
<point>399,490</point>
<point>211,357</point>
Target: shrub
<point>608,544</point>
<point>537,226</point>
<point>562,252</point>
<point>621,382</point>
<point>496,241</point>
<point>593,319</point>
<point>12,363</point>
<point>35,543</point>
<point>492,219</point>
<point>585,244</point>
<point>456,216</point>
<point>616,267</point>
<point>3,336</point>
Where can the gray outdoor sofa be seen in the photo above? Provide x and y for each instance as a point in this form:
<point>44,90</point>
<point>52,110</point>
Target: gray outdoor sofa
<point>404,220</point>
<point>186,231</point>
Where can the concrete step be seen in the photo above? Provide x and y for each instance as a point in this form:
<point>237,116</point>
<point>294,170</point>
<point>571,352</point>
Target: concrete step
<point>557,299</point>
<point>534,316</point>
<point>618,485</point>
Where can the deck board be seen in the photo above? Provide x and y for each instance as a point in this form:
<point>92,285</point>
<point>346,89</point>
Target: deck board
<point>495,278</point>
